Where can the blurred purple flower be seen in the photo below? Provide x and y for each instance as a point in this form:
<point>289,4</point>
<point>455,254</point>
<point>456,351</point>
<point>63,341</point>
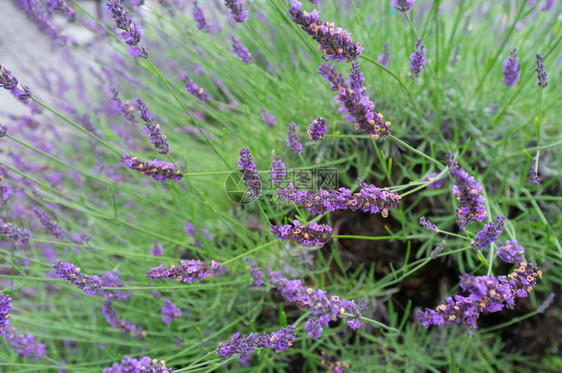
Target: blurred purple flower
<point>156,249</point>
<point>293,141</point>
<point>402,5</point>
<point>199,17</point>
<point>63,7</point>
<point>5,307</point>
<point>112,280</point>
<point>236,10</point>
<point>511,69</point>
<point>241,51</point>
<point>144,364</point>
<point>25,345</point>
<point>250,174</point>
<point>438,250</point>
<point>10,83</point>
<point>124,326</point>
<point>417,60</point>
<point>435,184</point>
<point>131,30</point>
<point>257,275</point>
<point>13,232</point>
<point>534,177</point>
<point>194,89</point>
<point>157,138</point>
<point>278,170</point>
<point>541,73</point>
<point>268,119</point>
<point>48,224</point>
<point>427,225</point>
<point>456,56</point>
<point>385,56</point>
<point>547,302</point>
<point>170,312</point>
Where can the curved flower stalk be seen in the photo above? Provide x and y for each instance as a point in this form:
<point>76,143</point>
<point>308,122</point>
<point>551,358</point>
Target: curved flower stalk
<point>158,170</point>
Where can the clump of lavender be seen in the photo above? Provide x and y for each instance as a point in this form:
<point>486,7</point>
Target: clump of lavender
<point>402,5</point>
<point>90,285</point>
<point>188,271</point>
<point>25,345</point>
<point>156,249</point>
<point>199,17</point>
<point>13,232</point>
<point>438,250</point>
<point>370,199</point>
<point>112,280</point>
<point>541,73</point>
<point>334,41</point>
<point>417,60</point>
<point>435,184</point>
<point>124,326</point>
<point>63,7</point>
<point>293,141</point>
<point>489,234</point>
<point>158,170</point>
<point>456,56</point>
<point>250,174</point>
<point>427,225</point>
<point>257,275</point>
<point>131,30</point>
<point>385,56</point>
<point>511,69</point>
<point>241,51</point>
<point>48,224</point>
<point>170,312</point>
<point>245,346</point>
<point>534,177</point>
<point>468,190</point>
<point>511,252</point>
<point>236,10</point>
<point>356,107</point>
<point>312,235</point>
<point>10,83</point>
<point>157,138</point>
<point>278,170</point>
<point>5,307</point>
<point>268,119</point>
<point>317,129</point>
<point>144,364</point>
<point>194,90</point>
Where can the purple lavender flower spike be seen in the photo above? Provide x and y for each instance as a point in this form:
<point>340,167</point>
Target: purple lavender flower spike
<point>195,90</point>
<point>236,10</point>
<point>63,7</point>
<point>126,109</point>
<point>112,280</point>
<point>90,285</point>
<point>467,189</point>
<point>157,138</point>
<point>333,41</point>
<point>241,51</point>
<point>257,275</point>
<point>489,234</point>
<point>131,31</point>
<point>427,225</point>
<point>435,184</point>
<point>144,364</point>
<point>402,5</point>
<point>534,177</point>
<point>293,141</point>
<point>10,83</point>
<point>541,73</point>
<point>189,271</point>
<point>199,17</point>
<point>417,60</point>
<point>548,4</point>
<point>170,312</point>
<point>268,119</point>
<point>5,192</point>
<point>124,326</point>
<point>156,249</point>
<point>315,1</point>
<point>25,345</point>
<point>37,13</point>
<point>3,130</point>
<point>245,346</point>
<point>278,170</point>
<point>511,69</point>
<point>312,235</point>
<point>385,56</point>
<point>438,250</point>
<point>250,174</point>
<point>5,307</point>
<point>48,224</point>
<point>13,232</point>
<point>511,252</point>
<point>158,170</point>
<point>317,129</point>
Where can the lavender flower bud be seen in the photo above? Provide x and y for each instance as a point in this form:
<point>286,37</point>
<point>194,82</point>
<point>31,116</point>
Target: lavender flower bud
<point>268,119</point>
<point>144,364</point>
<point>534,177</point>
<point>25,345</point>
<point>131,31</point>
<point>385,56</point>
<point>317,129</point>
<point>157,249</point>
<point>170,312</point>
<point>511,69</point>
<point>48,224</point>
<point>417,60</point>
<point>5,192</point>
<point>124,326</point>
<point>438,250</point>
<point>293,141</point>
<point>489,234</point>
<point>189,271</point>
<point>15,233</point>
<point>250,174</point>
<point>199,17</point>
<point>278,171</point>
<point>236,10</point>
<point>244,346</point>
<point>241,51</point>
<point>511,252</point>
<point>257,275</point>
<point>3,130</point>
<point>402,5</point>
<point>157,138</point>
<point>541,73</point>
<point>313,234</point>
<point>10,83</point>
<point>68,271</point>
<point>427,225</point>
<point>158,170</point>
<point>195,90</point>
<point>5,307</point>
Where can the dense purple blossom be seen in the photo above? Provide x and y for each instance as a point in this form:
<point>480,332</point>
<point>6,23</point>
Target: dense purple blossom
<point>511,69</point>
<point>143,365</point>
<point>10,83</point>
<point>334,41</point>
<point>293,141</point>
<point>257,275</point>
<point>194,90</point>
<point>511,252</point>
<point>170,312</point>
<point>13,232</point>
<point>250,174</point>
<point>278,170</point>
<point>188,271</point>
<point>5,307</point>
<point>534,177</point>
<point>131,30</point>
<point>112,280</point>
<point>356,107</point>
<point>156,249</point>
<point>245,346</point>
<point>437,250</point>
<point>68,271</point>
<point>25,345</point>
<point>317,129</point>
<point>370,199</point>
<point>157,138</point>
<point>436,184</point>
<point>158,170</point>
<point>541,73</point>
<point>417,60</point>
<point>268,119</point>
<point>385,56</point>
<point>241,51</point>
<point>199,17</point>
<point>467,190</point>
<point>489,234</point>
<point>427,225</point>
<point>236,10</point>
<point>402,5</point>
<point>48,224</point>
<point>308,235</point>
<point>63,7</point>
<point>548,4</point>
